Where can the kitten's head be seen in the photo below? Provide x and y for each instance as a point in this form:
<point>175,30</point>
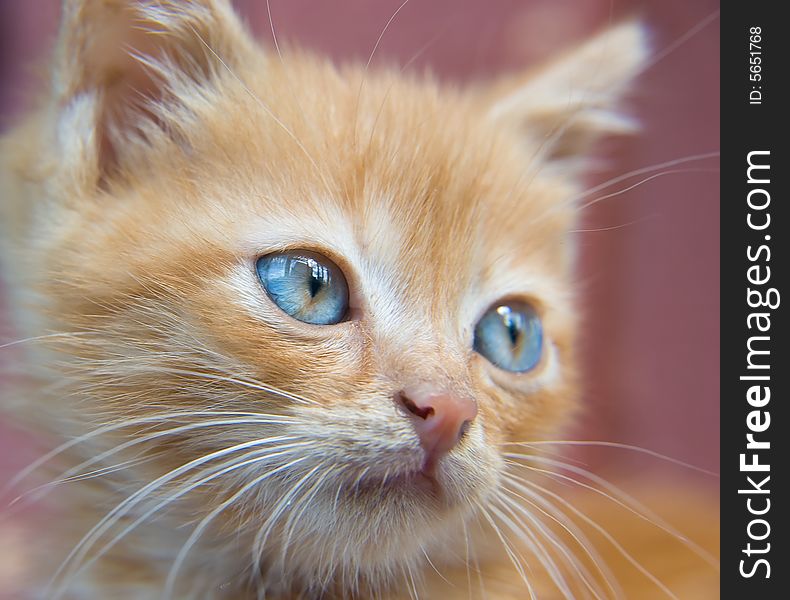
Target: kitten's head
<point>375,265</point>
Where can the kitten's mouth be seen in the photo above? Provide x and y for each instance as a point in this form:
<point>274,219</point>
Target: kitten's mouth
<point>422,482</point>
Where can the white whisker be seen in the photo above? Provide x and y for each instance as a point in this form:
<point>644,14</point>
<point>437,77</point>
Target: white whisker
<point>265,529</point>
<point>534,545</point>
<point>605,534</point>
<point>45,337</point>
<point>614,494</point>
<point>251,417</point>
<point>618,446</point>
<point>659,56</point>
<point>643,171</point>
<point>199,480</point>
<point>295,515</point>
<point>568,525</point>
<point>518,562</point>
<point>78,553</point>
<point>642,182</point>
<point>198,531</point>
<point>583,573</point>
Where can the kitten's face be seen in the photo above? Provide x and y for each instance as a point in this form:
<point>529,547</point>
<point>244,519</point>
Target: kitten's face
<point>434,207</point>
<point>432,223</point>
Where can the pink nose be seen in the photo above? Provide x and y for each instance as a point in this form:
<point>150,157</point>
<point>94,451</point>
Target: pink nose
<point>439,418</point>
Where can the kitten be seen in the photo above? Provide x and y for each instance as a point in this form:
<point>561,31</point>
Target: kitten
<point>296,319</point>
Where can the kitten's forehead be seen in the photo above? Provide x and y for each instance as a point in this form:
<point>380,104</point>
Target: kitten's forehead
<point>412,180</point>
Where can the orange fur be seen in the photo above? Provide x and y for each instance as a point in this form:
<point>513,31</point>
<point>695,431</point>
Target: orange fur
<point>135,201</point>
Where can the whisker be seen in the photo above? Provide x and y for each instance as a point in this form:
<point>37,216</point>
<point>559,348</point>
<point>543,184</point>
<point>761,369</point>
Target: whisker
<point>263,533</point>
<point>618,446</point>
<point>198,531</point>
<point>413,585</point>
<point>580,569</point>
<point>558,128</point>
<point>405,66</point>
<point>659,56</point>
<point>480,578</point>
<point>255,385</point>
<point>24,473</point>
<point>370,60</point>
<point>274,34</point>
<point>82,477</point>
<point>383,32</point>
<point>442,577</point>
<point>83,546</point>
<point>606,534</point>
<point>304,501</point>
<point>570,526</point>
<point>642,182</point>
<point>537,549</point>
<point>629,502</point>
<point>192,484</point>
<point>614,227</point>
<point>44,337</point>
<point>517,563</point>
<point>466,558</point>
<point>643,171</point>
<point>288,78</point>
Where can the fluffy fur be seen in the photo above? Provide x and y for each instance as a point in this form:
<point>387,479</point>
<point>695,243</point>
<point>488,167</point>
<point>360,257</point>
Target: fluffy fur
<point>235,451</point>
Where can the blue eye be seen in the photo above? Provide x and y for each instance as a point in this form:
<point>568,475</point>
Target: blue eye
<point>307,286</point>
<point>510,336</point>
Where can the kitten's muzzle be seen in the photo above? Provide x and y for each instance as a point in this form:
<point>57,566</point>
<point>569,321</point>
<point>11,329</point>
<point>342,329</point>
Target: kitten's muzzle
<point>440,420</point>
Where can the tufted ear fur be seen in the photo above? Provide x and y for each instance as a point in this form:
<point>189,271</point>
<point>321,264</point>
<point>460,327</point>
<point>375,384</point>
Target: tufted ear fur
<point>116,60</point>
<point>572,101</point>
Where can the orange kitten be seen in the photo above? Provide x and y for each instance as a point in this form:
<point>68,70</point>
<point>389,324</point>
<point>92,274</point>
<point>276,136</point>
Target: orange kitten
<point>297,318</point>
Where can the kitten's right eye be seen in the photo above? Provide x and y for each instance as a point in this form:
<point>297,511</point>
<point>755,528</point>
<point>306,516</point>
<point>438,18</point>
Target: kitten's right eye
<point>306,285</point>
<point>510,336</point>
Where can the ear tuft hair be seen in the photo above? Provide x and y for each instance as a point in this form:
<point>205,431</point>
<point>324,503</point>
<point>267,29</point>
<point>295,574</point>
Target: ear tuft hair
<point>571,102</point>
<point>117,58</point>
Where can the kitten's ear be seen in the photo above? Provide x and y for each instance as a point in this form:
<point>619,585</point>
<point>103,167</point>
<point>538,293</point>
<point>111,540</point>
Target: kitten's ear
<point>572,101</point>
<point>114,58</point>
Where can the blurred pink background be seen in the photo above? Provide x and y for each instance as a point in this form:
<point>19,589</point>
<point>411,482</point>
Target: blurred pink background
<point>649,278</point>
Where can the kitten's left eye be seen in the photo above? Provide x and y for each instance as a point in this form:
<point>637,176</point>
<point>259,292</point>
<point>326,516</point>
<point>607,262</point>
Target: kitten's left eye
<point>510,335</point>
<point>306,285</point>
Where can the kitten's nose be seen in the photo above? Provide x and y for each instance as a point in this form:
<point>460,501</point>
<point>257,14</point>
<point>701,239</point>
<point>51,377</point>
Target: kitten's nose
<point>440,419</point>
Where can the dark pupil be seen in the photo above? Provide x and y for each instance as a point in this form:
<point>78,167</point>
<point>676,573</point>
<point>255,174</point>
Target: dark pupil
<point>513,329</point>
<point>315,286</point>
<point>319,277</point>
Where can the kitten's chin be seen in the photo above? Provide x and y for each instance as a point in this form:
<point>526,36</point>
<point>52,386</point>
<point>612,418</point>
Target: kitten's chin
<point>446,486</point>
<point>397,519</point>
<point>416,484</point>
<point>418,505</point>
